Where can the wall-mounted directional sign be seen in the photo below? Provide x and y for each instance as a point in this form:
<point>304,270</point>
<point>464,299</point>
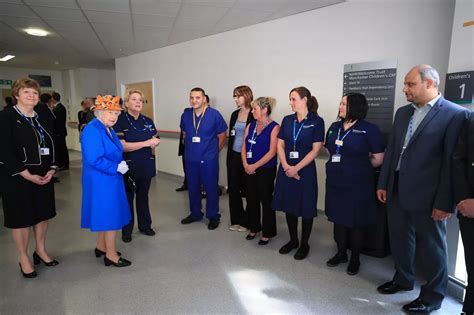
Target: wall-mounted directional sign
<point>460,88</point>
<point>376,80</point>
<point>5,82</point>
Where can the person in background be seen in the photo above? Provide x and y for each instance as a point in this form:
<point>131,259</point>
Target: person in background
<point>139,138</point>
<point>259,162</point>
<point>355,147</point>
<point>60,114</point>
<point>236,176</point>
<point>82,114</point>
<point>27,165</point>
<point>8,102</point>
<point>300,139</point>
<point>105,206</point>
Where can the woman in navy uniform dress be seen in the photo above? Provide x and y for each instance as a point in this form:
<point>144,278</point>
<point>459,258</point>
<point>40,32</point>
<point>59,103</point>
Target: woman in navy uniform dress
<point>300,139</point>
<point>355,147</point>
<point>27,165</point>
<point>259,162</point>
<point>104,201</point>
<point>236,177</point>
<point>139,138</point>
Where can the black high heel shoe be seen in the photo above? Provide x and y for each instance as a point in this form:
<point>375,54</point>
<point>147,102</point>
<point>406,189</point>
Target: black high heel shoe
<point>122,262</point>
<point>37,259</point>
<point>263,242</point>
<point>99,253</point>
<point>250,237</point>
<point>30,275</point>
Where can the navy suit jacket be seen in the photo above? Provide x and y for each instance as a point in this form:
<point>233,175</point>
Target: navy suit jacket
<point>425,176</point>
<point>463,163</point>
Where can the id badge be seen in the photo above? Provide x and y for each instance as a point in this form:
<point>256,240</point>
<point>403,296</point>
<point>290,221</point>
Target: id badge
<point>232,132</point>
<point>252,141</point>
<point>294,155</point>
<point>339,142</point>
<point>44,151</point>
<point>336,158</point>
<point>196,139</point>
<point>249,155</point>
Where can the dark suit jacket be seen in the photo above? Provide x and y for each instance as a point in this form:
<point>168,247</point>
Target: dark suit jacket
<point>46,115</point>
<point>60,122</point>
<point>463,163</point>
<point>425,180</point>
<point>233,120</point>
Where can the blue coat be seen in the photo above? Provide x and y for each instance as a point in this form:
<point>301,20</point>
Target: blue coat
<point>104,201</point>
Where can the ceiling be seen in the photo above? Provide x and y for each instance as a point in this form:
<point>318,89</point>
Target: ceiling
<point>92,33</point>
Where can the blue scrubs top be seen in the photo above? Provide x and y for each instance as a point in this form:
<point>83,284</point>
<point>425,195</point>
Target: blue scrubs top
<point>212,124</point>
<point>141,162</point>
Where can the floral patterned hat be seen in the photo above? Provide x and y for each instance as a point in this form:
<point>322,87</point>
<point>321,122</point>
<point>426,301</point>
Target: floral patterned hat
<point>107,102</point>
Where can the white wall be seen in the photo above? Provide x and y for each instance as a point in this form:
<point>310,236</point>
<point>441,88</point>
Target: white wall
<point>16,73</point>
<point>307,49</point>
<point>461,57</point>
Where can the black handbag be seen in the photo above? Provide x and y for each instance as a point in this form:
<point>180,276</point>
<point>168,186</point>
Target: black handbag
<point>129,182</point>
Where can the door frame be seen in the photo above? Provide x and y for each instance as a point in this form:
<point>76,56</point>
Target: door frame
<point>152,80</point>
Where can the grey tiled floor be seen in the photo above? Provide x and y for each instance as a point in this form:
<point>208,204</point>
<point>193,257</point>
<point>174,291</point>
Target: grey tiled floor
<point>188,269</point>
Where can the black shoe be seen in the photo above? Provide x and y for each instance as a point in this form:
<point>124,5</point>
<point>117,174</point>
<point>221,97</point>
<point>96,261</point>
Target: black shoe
<point>98,253</point>
<point>122,262</point>
<point>30,275</point>
<point>263,242</point>
<point>420,307</point>
<point>182,188</point>
<point>353,268</point>
<point>336,260</point>
<point>250,237</point>
<point>149,232</point>
<point>285,249</point>
<point>203,195</point>
<point>189,219</point>
<point>213,224</point>
<point>302,252</point>
<point>392,288</point>
<point>37,259</point>
<point>126,238</point>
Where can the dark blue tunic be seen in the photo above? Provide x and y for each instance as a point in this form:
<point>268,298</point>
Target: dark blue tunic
<point>350,187</point>
<point>299,197</point>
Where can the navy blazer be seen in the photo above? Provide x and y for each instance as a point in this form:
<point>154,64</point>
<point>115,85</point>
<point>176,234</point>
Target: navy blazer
<point>463,163</point>
<point>425,176</point>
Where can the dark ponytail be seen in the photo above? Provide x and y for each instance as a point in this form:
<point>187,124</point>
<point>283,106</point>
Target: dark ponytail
<point>312,102</point>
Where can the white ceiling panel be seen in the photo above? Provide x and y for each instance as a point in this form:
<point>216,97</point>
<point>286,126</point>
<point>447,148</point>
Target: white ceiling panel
<point>262,5</point>
<point>16,10</point>
<point>21,23</point>
<point>71,4</point>
<point>108,17</point>
<point>212,3</point>
<point>65,25</point>
<point>192,16</point>
<point>299,6</point>
<point>236,18</point>
<point>178,36</point>
<point>117,29</point>
<point>11,1</point>
<point>153,20</point>
<point>121,6</point>
<point>62,14</point>
<point>155,7</point>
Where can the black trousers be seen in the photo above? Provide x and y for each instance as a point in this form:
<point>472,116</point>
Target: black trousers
<point>142,206</point>
<point>466,226</point>
<point>346,237</point>
<point>62,158</point>
<point>306,227</point>
<point>259,197</point>
<point>237,181</point>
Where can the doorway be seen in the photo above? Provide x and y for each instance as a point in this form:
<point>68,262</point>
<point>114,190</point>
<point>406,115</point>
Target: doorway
<point>147,89</point>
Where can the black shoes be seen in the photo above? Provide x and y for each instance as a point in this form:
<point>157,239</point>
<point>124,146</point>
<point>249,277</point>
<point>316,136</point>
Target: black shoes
<point>30,275</point>
<point>37,259</point>
<point>302,252</point>
<point>353,267</point>
<point>213,224</point>
<point>420,307</point>
<point>126,238</point>
<point>392,288</point>
<point>263,242</point>
<point>98,253</point>
<point>285,249</point>
<point>189,219</point>
<point>250,237</point>
<point>336,260</point>
<point>149,232</point>
<point>182,188</point>
<point>122,262</point>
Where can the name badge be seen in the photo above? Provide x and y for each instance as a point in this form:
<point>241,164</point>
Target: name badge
<point>232,132</point>
<point>336,158</point>
<point>44,151</point>
<point>196,139</point>
<point>249,155</point>
<point>294,155</point>
<point>339,142</point>
<point>252,141</point>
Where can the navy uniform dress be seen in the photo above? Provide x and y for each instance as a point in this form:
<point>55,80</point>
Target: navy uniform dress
<point>202,159</point>
<point>299,197</point>
<point>350,187</point>
<point>141,164</point>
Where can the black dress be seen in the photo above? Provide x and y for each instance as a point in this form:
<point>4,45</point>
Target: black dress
<point>25,203</point>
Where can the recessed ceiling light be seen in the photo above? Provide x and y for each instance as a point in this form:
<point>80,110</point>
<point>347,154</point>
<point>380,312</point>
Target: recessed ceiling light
<point>7,57</point>
<point>36,32</point>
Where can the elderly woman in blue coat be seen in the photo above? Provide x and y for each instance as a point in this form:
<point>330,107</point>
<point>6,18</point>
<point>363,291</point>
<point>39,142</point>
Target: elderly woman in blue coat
<point>104,201</point>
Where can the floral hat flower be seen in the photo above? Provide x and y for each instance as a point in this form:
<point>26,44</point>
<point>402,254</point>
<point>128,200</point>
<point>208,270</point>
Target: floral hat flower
<point>107,102</point>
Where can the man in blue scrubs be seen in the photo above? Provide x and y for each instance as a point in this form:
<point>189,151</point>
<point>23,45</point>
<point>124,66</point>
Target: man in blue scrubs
<point>204,136</point>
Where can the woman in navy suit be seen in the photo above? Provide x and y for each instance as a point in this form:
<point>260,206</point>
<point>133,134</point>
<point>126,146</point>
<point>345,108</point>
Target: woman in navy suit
<point>355,147</point>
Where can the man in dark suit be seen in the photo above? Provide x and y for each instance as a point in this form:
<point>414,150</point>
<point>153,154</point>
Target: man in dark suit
<point>463,178</point>
<point>61,132</point>
<point>416,182</point>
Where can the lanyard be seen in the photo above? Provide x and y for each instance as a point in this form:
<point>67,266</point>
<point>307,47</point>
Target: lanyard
<point>146,126</point>
<point>254,134</point>
<point>39,130</point>
<point>200,119</point>
<point>338,146</point>
<point>296,134</point>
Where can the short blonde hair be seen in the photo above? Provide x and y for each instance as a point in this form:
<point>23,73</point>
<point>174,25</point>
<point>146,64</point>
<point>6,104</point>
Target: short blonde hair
<point>133,91</point>
<point>265,102</point>
<point>24,83</point>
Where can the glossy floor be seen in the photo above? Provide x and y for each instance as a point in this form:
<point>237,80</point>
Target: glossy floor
<point>189,269</point>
